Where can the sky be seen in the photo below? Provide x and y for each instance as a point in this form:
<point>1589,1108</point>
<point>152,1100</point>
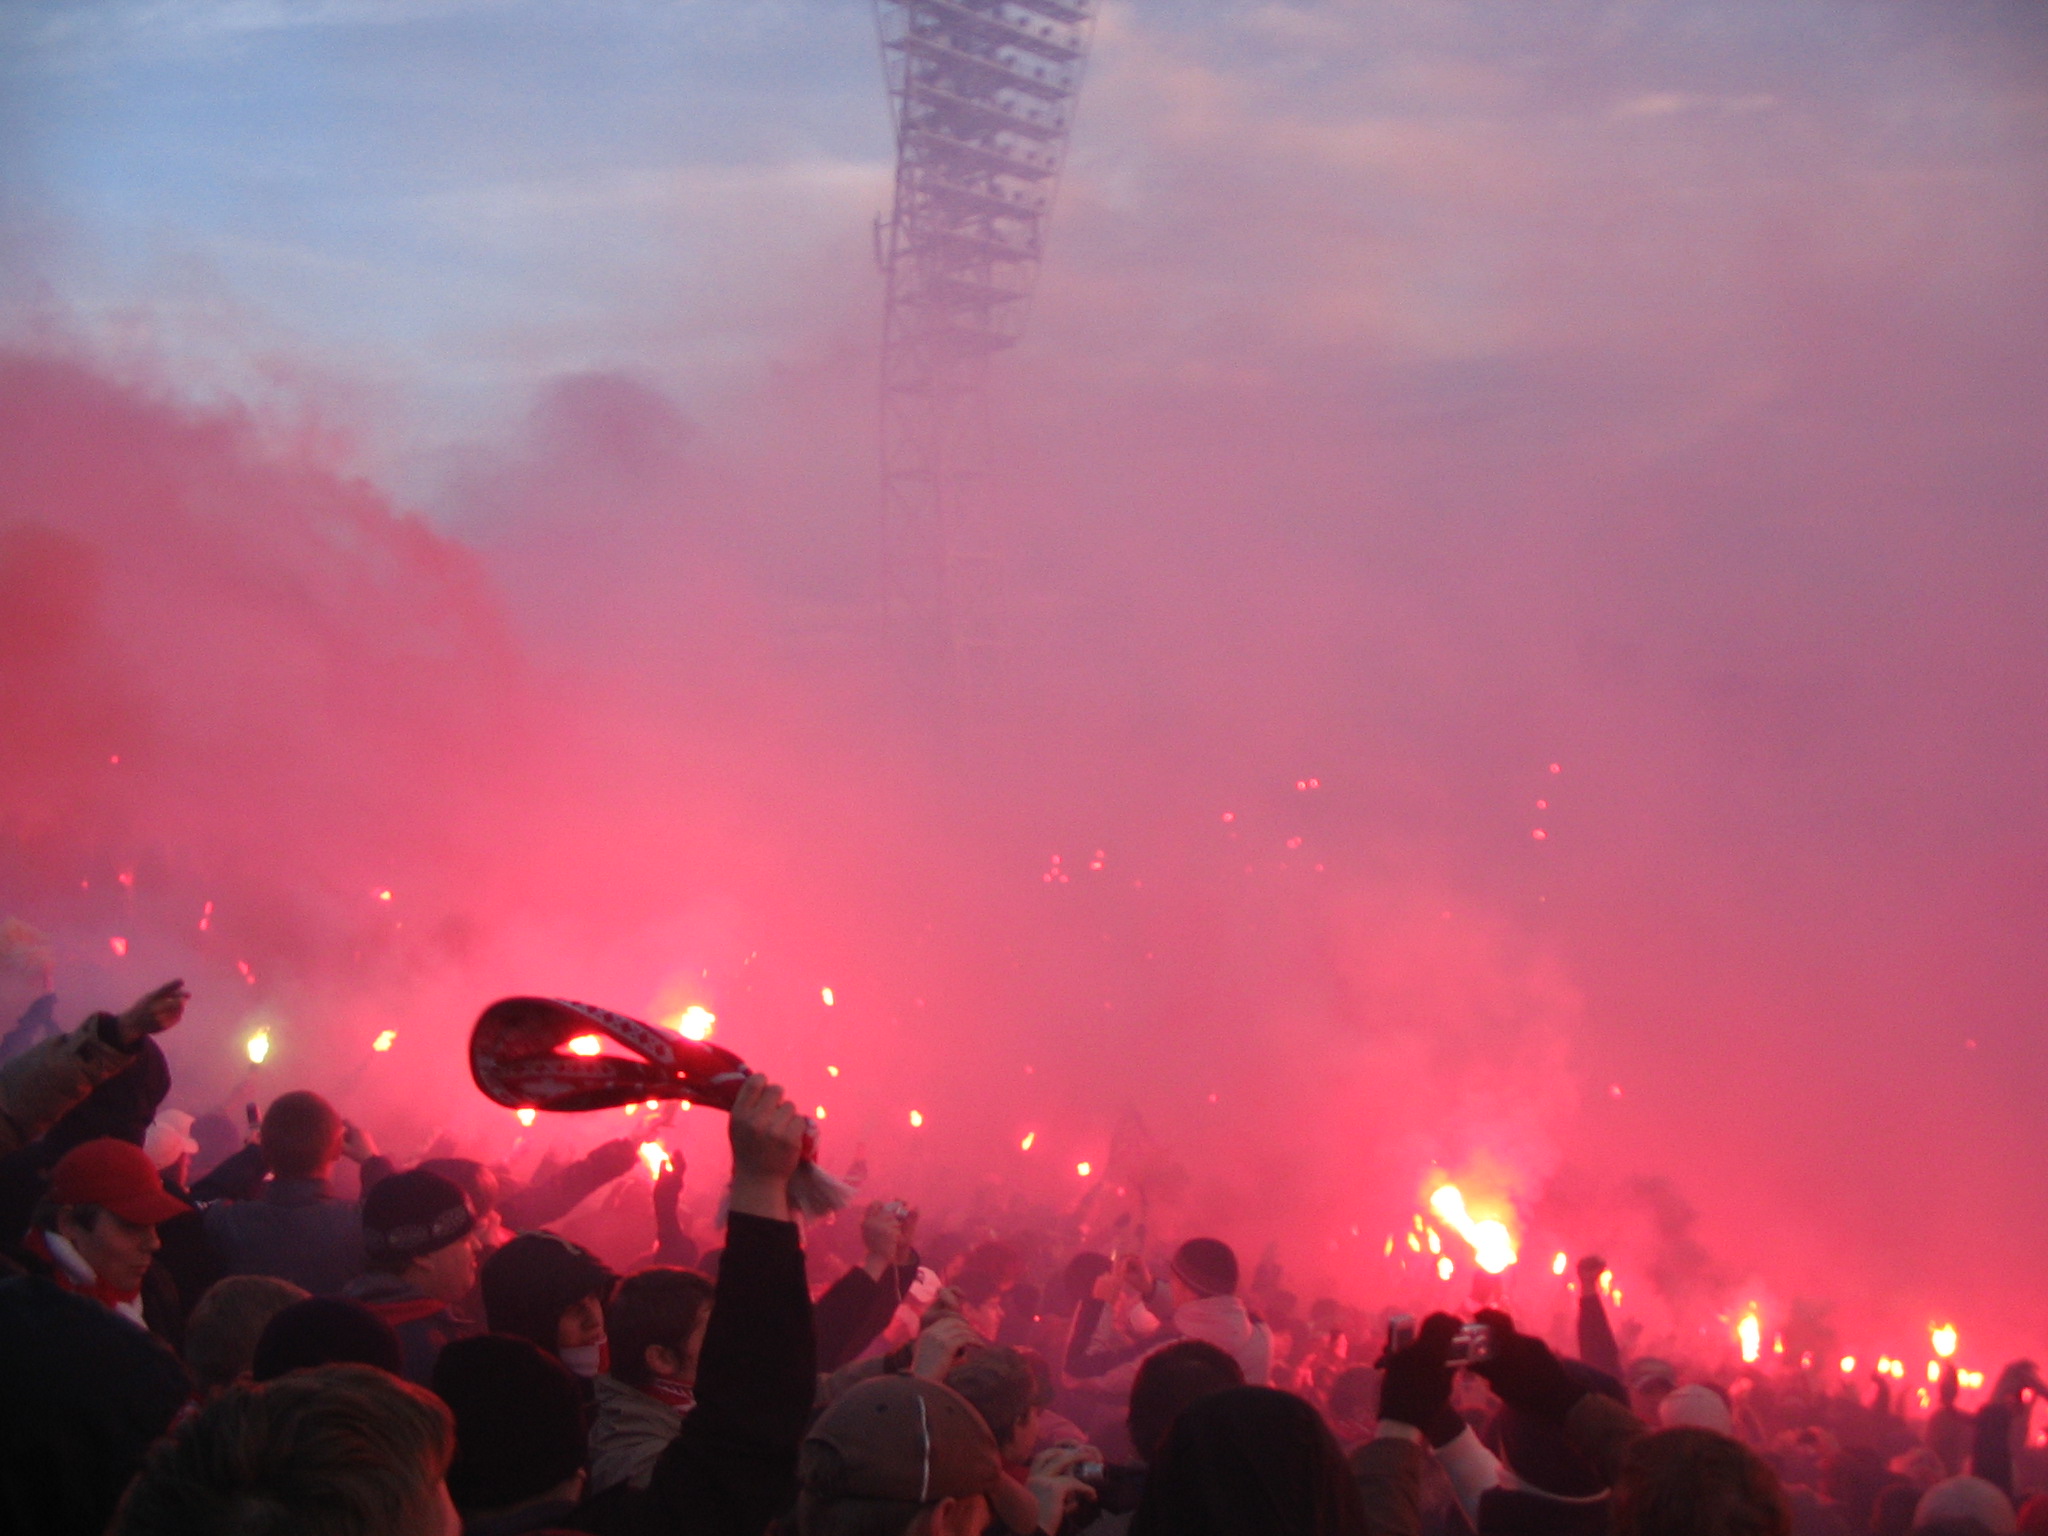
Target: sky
<point>1614,420</point>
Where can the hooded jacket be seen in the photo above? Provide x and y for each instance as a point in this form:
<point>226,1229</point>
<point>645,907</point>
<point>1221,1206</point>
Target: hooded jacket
<point>631,1432</point>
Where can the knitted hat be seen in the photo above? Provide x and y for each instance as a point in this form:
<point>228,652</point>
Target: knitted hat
<point>121,1106</point>
<point>413,1214</point>
<point>169,1138</point>
<point>325,1330</point>
<point>1206,1267</point>
<point>1967,1498</point>
<point>1697,1407</point>
<point>518,1421</point>
<point>116,1176</point>
<point>530,1282</point>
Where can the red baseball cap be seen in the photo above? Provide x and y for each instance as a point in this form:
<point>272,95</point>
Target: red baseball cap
<point>116,1176</point>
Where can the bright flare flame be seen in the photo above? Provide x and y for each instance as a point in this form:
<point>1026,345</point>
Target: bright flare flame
<point>1848,1365</point>
<point>1444,1267</point>
<point>1029,1138</point>
<point>259,1047</point>
<point>916,1119</point>
<point>1492,1248</point>
<point>585,1045</point>
<point>1749,1333</point>
<point>1933,1371</point>
<point>525,1116</point>
<point>1971,1380</point>
<point>1944,1339</point>
<point>1557,1265</point>
<point>655,1156</point>
<point>826,994</point>
<point>1084,1169</point>
<point>694,1022</point>
<point>383,1042</point>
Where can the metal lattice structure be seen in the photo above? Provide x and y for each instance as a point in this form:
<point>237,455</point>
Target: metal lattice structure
<point>982,93</point>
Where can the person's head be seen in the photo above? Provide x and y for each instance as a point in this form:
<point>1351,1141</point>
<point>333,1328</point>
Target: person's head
<point>121,1106</point>
<point>340,1451</point>
<point>1202,1266</point>
<point>656,1324</point>
<point>170,1144</point>
<point>1004,1390</point>
<point>519,1436</point>
<point>1355,1401</point>
<point>1000,1260</point>
<point>1250,1460</point>
<point>300,1136</point>
<point>418,1226</point>
<point>1077,1280</point>
<point>1169,1381</point>
<point>226,1323</point>
<point>900,1456</point>
<point>1694,1482</point>
<point>980,1297</point>
<point>1951,1386</point>
<point>1537,1449</point>
<point>474,1179</point>
<point>1696,1407</point>
<point>105,1200</point>
<point>1957,1500</point>
<point>325,1330</point>
<point>548,1290</point>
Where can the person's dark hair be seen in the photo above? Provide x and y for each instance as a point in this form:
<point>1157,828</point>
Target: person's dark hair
<point>300,1136</point>
<point>1693,1482</point>
<point>978,1287</point>
<point>473,1178</point>
<point>518,1421</point>
<point>1355,1394</point>
<point>341,1451</point>
<point>1252,1461</point>
<point>1000,1384</point>
<point>227,1323</point>
<point>325,1330</point>
<point>654,1307</point>
<point>1169,1380</point>
<point>1001,1260</point>
<point>1074,1282</point>
<point>44,1218</point>
<point>530,1282</point>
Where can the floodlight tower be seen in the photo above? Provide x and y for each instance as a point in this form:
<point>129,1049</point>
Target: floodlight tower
<point>982,93</point>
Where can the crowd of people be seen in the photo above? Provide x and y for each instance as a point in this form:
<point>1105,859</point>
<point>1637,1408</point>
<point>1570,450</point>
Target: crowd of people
<point>217,1339</point>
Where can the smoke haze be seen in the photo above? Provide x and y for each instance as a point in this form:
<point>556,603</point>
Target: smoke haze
<point>436,458</point>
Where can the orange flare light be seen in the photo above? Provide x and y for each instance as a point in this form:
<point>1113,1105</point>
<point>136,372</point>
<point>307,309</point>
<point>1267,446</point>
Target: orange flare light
<point>1084,1169</point>
<point>1848,1365</point>
<point>1749,1333</point>
<point>384,1041</point>
<point>1029,1138</point>
<point>916,1119</point>
<point>258,1047</point>
<point>586,1045</point>
<point>1944,1339</point>
<point>694,1022</point>
<point>825,995</point>
<point>1444,1268</point>
<point>525,1116</point>
<point>655,1156</point>
<point>1557,1265</point>
<point>1493,1249</point>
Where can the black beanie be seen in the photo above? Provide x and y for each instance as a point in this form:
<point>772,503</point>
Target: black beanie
<point>412,1214</point>
<point>530,1282</point>
<point>1207,1266</point>
<point>325,1330</point>
<point>121,1106</point>
<point>518,1421</point>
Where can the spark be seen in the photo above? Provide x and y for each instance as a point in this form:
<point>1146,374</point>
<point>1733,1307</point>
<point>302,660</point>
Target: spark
<point>127,879</point>
<point>1933,1371</point>
<point>586,1045</point>
<point>1493,1248</point>
<point>1540,835</point>
<point>1944,1339</point>
<point>1388,1251</point>
<point>1436,1244</point>
<point>831,1071</point>
<point>1556,768</point>
<point>1848,1365</point>
<point>1557,1265</point>
<point>525,1116</point>
<point>1749,1333</point>
<point>383,895</point>
<point>1414,1243</point>
<point>630,1109</point>
<point>118,945</point>
<point>1029,1138</point>
<point>916,1119</point>
<point>248,975</point>
<point>655,1156</point>
<point>1445,1268</point>
<point>1970,1379</point>
<point>821,1112</point>
<point>258,1047</point>
<point>1084,1169</point>
<point>384,1041</point>
<point>826,994</point>
<point>694,1022</point>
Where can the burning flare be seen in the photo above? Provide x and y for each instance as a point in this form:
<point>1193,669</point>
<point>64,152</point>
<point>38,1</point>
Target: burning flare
<point>694,1022</point>
<point>384,1041</point>
<point>1493,1249</point>
<point>586,1045</point>
<point>1749,1333</point>
<point>1943,1337</point>
<point>258,1047</point>
<point>655,1156</point>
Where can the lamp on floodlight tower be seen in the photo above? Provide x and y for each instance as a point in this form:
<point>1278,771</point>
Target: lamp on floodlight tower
<point>982,95</point>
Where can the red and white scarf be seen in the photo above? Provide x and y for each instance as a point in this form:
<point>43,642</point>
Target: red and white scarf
<point>69,1269</point>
